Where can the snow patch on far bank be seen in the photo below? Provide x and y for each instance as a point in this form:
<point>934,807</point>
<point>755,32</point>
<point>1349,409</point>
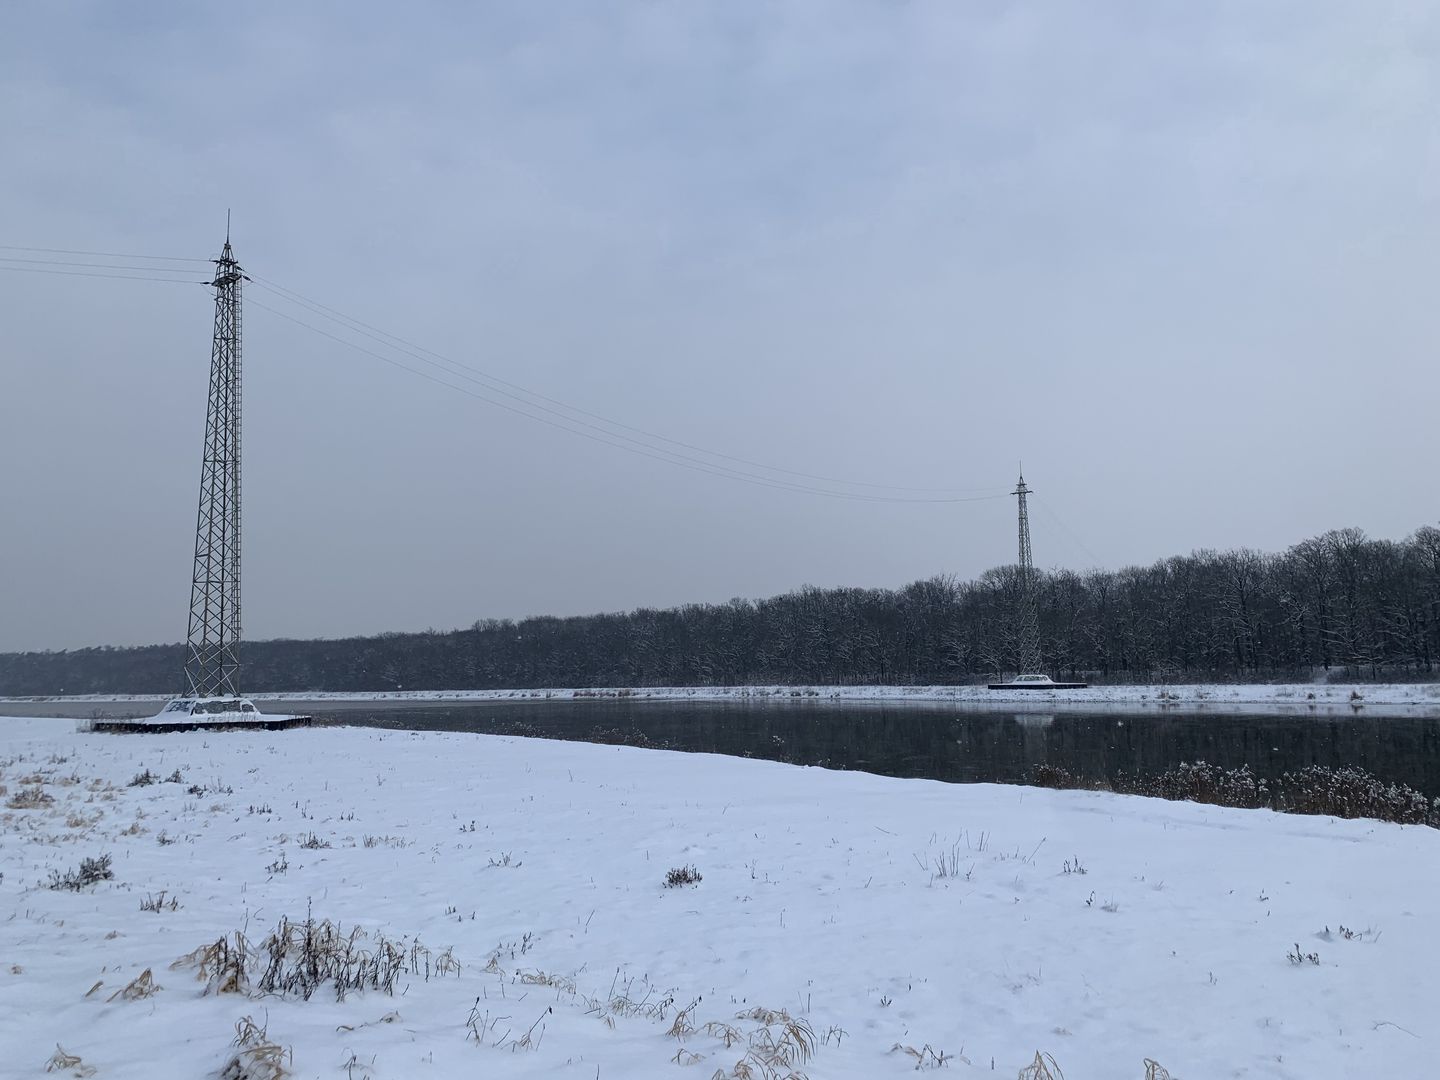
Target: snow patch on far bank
<point>1412,697</point>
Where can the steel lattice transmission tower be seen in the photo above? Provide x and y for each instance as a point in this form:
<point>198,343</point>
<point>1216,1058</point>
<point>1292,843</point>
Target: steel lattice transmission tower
<point>212,659</point>
<point>1027,629</point>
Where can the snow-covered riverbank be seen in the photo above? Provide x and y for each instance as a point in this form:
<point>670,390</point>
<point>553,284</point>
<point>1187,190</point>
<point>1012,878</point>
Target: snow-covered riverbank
<point>978,923</point>
<point>1410,697</point>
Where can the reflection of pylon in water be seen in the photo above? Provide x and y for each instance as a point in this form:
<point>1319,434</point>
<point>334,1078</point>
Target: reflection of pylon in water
<point>1027,627</point>
<point>211,658</point>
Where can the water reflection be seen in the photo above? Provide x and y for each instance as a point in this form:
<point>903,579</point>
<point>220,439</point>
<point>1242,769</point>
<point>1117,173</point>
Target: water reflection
<point>945,743</point>
<point>1034,720</point>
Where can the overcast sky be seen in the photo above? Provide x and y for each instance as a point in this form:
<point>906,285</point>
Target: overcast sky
<point>1179,257</point>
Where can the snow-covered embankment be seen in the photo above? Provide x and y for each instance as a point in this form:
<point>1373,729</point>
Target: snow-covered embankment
<point>975,924</point>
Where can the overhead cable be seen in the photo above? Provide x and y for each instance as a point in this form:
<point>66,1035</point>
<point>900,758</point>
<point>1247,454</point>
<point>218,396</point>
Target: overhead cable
<point>610,438</point>
<point>472,373</point>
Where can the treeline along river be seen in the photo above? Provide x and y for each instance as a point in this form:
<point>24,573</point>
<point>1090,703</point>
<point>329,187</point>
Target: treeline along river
<point>1340,603</point>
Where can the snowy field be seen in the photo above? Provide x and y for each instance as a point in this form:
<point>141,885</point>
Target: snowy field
<point>1406,698</point>
<point>851,925</point>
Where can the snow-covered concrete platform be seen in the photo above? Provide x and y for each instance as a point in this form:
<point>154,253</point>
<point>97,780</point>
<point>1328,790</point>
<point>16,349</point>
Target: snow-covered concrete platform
<point>159,725</point>
<point>202,714</point>
<point>982,923</point>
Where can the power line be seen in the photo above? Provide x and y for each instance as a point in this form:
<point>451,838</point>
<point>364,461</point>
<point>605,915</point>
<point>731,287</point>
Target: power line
<point>1095,559</point>
<point>485,378</point>
<point>609,439</point>
<point>340,317</point>
<point>686,463</point>
<point>530,400</point>
<point>104,254</point>
<point>565,422</point>
<point>101,266</point>
<point>85,273</point>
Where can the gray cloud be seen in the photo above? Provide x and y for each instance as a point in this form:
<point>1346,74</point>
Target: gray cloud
<point>1175,256</point>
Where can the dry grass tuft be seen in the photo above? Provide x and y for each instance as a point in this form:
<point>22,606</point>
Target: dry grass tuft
<point>296,959</point>
<point>142,986</point>
<point>446,964</point>
<point>223,967</point>
<point>248,1033</point>
<point>531,1041</point>
<point>1155,1071</point>
<point>927,1057</point>
<point>90,872</point>
<point>539,978</point>
<point>724,1032</point>
<point>682,1025</point>
<point>160,903</point>
<point>682,875</point>
<point>624,1005</point>
<point>30,798</point>
<point>385,841</point>
<point>63,1061</point>
<point>794,1044</point>
<point>777,1047</point>
<point>752,1067</point>
<point>263,1062</point>
<point>1043,1067</point>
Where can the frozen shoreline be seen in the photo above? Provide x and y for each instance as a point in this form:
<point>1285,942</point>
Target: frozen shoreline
<point>985,922</point>
<point>1410,698</point>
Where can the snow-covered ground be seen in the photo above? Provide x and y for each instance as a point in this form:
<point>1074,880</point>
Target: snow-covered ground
<point>979,923</point>
<point>1411,697</point>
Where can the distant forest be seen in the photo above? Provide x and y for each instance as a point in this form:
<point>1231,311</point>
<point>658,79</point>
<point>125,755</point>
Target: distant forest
<point>1340,603</point>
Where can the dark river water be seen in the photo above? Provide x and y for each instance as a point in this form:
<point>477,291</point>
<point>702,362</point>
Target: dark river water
<point>943,742</point>
<point>934,740</point>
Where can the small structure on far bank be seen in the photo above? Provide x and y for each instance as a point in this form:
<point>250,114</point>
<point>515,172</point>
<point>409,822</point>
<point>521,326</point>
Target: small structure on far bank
<point>1037,682</point>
